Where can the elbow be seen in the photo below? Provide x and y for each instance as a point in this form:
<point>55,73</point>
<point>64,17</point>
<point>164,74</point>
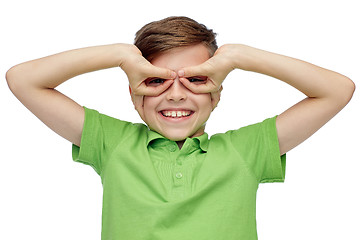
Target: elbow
<point>353,87</point>
<point>11,76</point>
<point>15,78</point>
<point>347,91</point>
<point>350,88</point>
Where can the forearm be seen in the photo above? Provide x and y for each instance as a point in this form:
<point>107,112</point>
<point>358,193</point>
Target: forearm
<point>313,81</point>
<point>327,91</point>
<point>51,71</point>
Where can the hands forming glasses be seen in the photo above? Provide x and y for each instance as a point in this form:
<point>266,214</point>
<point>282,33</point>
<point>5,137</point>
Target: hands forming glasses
<point>146,79</point>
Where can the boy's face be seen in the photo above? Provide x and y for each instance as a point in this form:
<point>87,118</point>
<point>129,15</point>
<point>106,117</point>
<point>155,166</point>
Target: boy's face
<point>178,113</point>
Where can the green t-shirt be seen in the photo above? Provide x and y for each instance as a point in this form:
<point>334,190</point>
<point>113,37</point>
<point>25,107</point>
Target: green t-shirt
<point>154,191</point>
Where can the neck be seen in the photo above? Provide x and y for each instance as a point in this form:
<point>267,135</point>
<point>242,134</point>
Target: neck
<point>180,143</point>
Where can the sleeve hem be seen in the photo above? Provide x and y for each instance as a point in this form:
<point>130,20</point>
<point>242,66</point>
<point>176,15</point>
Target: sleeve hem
<point>278,163</point>
<point>85,153</point>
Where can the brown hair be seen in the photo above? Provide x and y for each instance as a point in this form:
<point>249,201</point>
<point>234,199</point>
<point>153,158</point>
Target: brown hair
<point>172,32</point>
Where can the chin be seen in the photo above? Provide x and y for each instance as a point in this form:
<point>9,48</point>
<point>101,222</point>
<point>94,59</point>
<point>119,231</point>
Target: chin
<point>176,137</point>
<point>182,135</point>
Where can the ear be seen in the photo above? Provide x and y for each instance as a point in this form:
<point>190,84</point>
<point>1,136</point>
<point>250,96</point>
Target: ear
<point>215,97</point>
<point>138,102</point>
<point>132,97</point>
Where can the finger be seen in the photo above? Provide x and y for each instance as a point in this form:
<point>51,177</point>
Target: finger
<point>199,70</point>
<point>207,87</point>
<point>164,73</point>
<point>153,91</point>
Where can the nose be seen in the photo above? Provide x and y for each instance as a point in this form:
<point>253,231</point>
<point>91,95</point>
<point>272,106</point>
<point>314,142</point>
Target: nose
<point>176,92</point>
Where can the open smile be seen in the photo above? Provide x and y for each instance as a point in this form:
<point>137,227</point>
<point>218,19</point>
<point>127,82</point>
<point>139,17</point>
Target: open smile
<point>176,114</point>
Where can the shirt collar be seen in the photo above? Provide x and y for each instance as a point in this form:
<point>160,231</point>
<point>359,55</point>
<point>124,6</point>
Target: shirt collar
<point>202,140</point>
<point>152,135</point>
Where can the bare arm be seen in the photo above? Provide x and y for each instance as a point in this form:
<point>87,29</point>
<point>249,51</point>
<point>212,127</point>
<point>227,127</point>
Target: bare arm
<point>34,82</point>
<point>327,91</point>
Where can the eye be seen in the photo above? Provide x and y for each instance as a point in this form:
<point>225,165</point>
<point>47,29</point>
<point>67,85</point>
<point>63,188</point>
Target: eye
<point>154,82</point>
<point>197,79</point>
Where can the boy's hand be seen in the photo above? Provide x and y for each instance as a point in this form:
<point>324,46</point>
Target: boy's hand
<point>138,69</point>
<point>215,69</point>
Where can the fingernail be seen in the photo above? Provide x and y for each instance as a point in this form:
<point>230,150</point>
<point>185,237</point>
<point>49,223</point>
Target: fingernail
<point>181,73</point>
<point>173,74</point>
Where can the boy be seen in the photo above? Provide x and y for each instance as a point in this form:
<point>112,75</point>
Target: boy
<point>167,180</point>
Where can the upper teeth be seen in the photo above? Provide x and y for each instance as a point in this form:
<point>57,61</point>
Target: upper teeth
<point>176,113</point>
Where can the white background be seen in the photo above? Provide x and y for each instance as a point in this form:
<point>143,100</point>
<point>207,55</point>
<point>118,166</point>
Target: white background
<point>45,195</point>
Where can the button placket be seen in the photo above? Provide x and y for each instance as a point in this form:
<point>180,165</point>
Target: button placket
<point>180,159</point>
<point>179,168</point>
<point>178,175</point>
<point>177,191</point>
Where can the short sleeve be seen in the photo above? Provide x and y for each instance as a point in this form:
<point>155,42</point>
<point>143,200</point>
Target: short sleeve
<point>258,146</point>
<point>101,134</point>
<point>92,141</point>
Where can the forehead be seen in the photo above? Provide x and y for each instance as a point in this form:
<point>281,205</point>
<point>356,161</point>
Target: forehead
<point>181,57</point>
